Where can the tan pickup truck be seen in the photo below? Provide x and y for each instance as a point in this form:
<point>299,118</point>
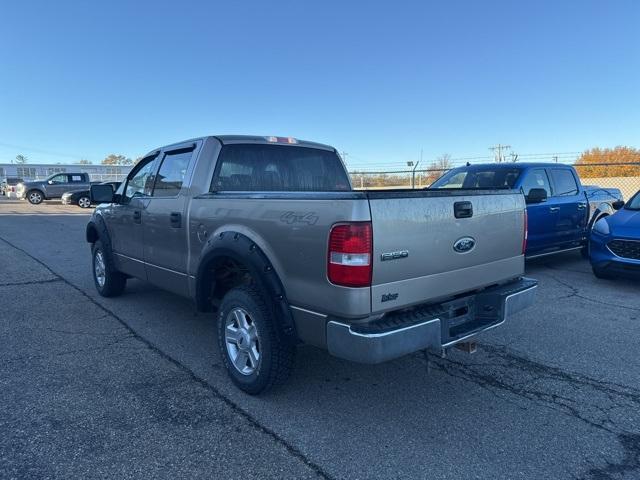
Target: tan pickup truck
<point>268,233</point>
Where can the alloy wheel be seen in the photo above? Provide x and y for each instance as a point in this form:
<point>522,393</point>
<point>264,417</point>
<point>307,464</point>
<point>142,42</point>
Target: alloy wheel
<point>99,268</point>
<point>242,341</point>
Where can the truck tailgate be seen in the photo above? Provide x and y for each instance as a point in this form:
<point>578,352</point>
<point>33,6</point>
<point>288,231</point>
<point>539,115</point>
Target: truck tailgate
<point>423,253</point>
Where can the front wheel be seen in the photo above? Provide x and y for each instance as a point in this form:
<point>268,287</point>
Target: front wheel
<point>255,353</point>
<point>84,202</point>
<point>600,273</point>
<point>35,197</point>
<point>108,281</point>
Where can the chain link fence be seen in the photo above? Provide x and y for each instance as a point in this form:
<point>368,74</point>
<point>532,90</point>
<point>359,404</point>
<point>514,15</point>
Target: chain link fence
<point>625,176</point>
<point>395,179</point>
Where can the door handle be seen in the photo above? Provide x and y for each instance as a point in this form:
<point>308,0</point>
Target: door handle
<point>137,216</point>
<point>554,209</point>
<point>175,218</point>
<point>582,206</point>
<point>462,210</point>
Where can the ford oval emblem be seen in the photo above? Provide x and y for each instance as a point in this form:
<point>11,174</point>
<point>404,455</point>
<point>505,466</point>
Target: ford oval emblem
<point>464,244</point>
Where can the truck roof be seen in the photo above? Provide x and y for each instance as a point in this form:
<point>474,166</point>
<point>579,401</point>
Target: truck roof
<point>512,165</point>
<point>230,139</point>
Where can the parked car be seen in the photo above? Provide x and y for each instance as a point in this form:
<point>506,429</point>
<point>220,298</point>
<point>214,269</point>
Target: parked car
<point>8,186</point>
<point>268,232</point>
<point>615,241</point>
<point>53,187</point>
<point>82,198</point>
<point>561,211</point>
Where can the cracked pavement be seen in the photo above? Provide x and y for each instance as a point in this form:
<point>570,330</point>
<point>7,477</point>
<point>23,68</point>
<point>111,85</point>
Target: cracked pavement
<point>133,386</point>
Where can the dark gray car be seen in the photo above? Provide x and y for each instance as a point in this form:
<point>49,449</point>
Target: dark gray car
<point>268,233</point>
<point>53,187</point>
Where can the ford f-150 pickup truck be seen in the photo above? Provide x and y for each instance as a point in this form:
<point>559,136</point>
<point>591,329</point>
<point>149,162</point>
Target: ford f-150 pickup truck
<point>53,186</point>
<point>268,233</point>
<point>561,211</point>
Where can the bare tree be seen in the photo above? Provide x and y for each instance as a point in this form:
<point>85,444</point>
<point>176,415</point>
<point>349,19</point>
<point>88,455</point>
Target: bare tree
<point>437,168</point>
<point>21,159</point>
<point>114,159</point>
<point>84,161</point>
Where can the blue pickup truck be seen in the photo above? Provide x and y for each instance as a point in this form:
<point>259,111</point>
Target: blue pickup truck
<point>560,210</point>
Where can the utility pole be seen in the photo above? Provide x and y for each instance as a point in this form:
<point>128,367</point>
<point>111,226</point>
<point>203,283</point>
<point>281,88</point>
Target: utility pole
<point>344,154</point>
<point>413,172</point>
<point>499,152</point>
<point>555,158</point>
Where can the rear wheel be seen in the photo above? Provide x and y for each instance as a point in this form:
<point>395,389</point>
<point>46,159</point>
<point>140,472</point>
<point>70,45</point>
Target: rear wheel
<point>84,202</point>
<point>35,197</point>
<point>108,281</point>
<point>254,351</point>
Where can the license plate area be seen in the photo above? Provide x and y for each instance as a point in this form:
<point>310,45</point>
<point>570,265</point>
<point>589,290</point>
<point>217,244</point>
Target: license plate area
<point>464,316</point>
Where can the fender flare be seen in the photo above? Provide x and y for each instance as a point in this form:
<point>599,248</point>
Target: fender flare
<point>603,210</point>
<point>243,250</point>
<point>98,225</point>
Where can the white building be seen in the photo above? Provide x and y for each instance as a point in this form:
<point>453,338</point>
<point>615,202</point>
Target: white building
<point>40,171</point>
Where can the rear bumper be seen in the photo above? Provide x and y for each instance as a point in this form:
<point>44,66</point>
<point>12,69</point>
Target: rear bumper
<point>429,327</point>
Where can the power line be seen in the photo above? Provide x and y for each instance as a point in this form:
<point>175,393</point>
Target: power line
<point>498,149</point>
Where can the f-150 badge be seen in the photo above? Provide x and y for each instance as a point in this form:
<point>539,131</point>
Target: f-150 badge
<point>394,255</point>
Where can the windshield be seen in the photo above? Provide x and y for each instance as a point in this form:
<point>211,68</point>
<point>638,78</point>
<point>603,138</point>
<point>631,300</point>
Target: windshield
<point>634,203</point>
<point>486,177</point>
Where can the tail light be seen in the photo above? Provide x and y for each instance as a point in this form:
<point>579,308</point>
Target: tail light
<point>13,189</point>
<point>525,237</point>
<point>350,252</point>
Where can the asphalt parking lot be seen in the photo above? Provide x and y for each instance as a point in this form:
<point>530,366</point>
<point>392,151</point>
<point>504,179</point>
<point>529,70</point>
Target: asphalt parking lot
<point>133,387</point>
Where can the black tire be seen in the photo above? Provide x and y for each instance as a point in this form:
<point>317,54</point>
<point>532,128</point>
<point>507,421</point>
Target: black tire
<point>276,353</point>
<point>84,202</point>
<point>35,197</point>
<point>114,282</point>
<point>585,251</point>
<point>600,273</point>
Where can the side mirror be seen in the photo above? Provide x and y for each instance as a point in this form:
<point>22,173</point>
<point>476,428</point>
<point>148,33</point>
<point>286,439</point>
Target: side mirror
<point>101,194</point>
<point>618,204</point>
<point>536,195</point>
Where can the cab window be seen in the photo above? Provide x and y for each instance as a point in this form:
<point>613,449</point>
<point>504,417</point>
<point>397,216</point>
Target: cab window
<point>62,178</point>
<point>172,172</point>
<point>485,177</point>
<point>536,179</point>
<point>140,180</point>
<point>564,183</point>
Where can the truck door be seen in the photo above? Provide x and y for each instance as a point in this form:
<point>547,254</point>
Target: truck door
<point>57,185</point>
<point>165,224</point>
<point>125,218</point>
<point>541,224</point>
<point>569,206</point>
<point>78,181</point>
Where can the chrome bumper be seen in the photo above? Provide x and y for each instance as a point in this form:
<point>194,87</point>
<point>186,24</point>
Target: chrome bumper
<point>432,327</point>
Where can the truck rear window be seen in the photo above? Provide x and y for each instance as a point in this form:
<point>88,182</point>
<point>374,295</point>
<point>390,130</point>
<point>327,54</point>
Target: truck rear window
<point>478,178</point>
<point>259,167</point>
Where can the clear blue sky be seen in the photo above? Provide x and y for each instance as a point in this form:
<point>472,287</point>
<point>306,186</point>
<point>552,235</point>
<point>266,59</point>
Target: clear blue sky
<point>378,80</point>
